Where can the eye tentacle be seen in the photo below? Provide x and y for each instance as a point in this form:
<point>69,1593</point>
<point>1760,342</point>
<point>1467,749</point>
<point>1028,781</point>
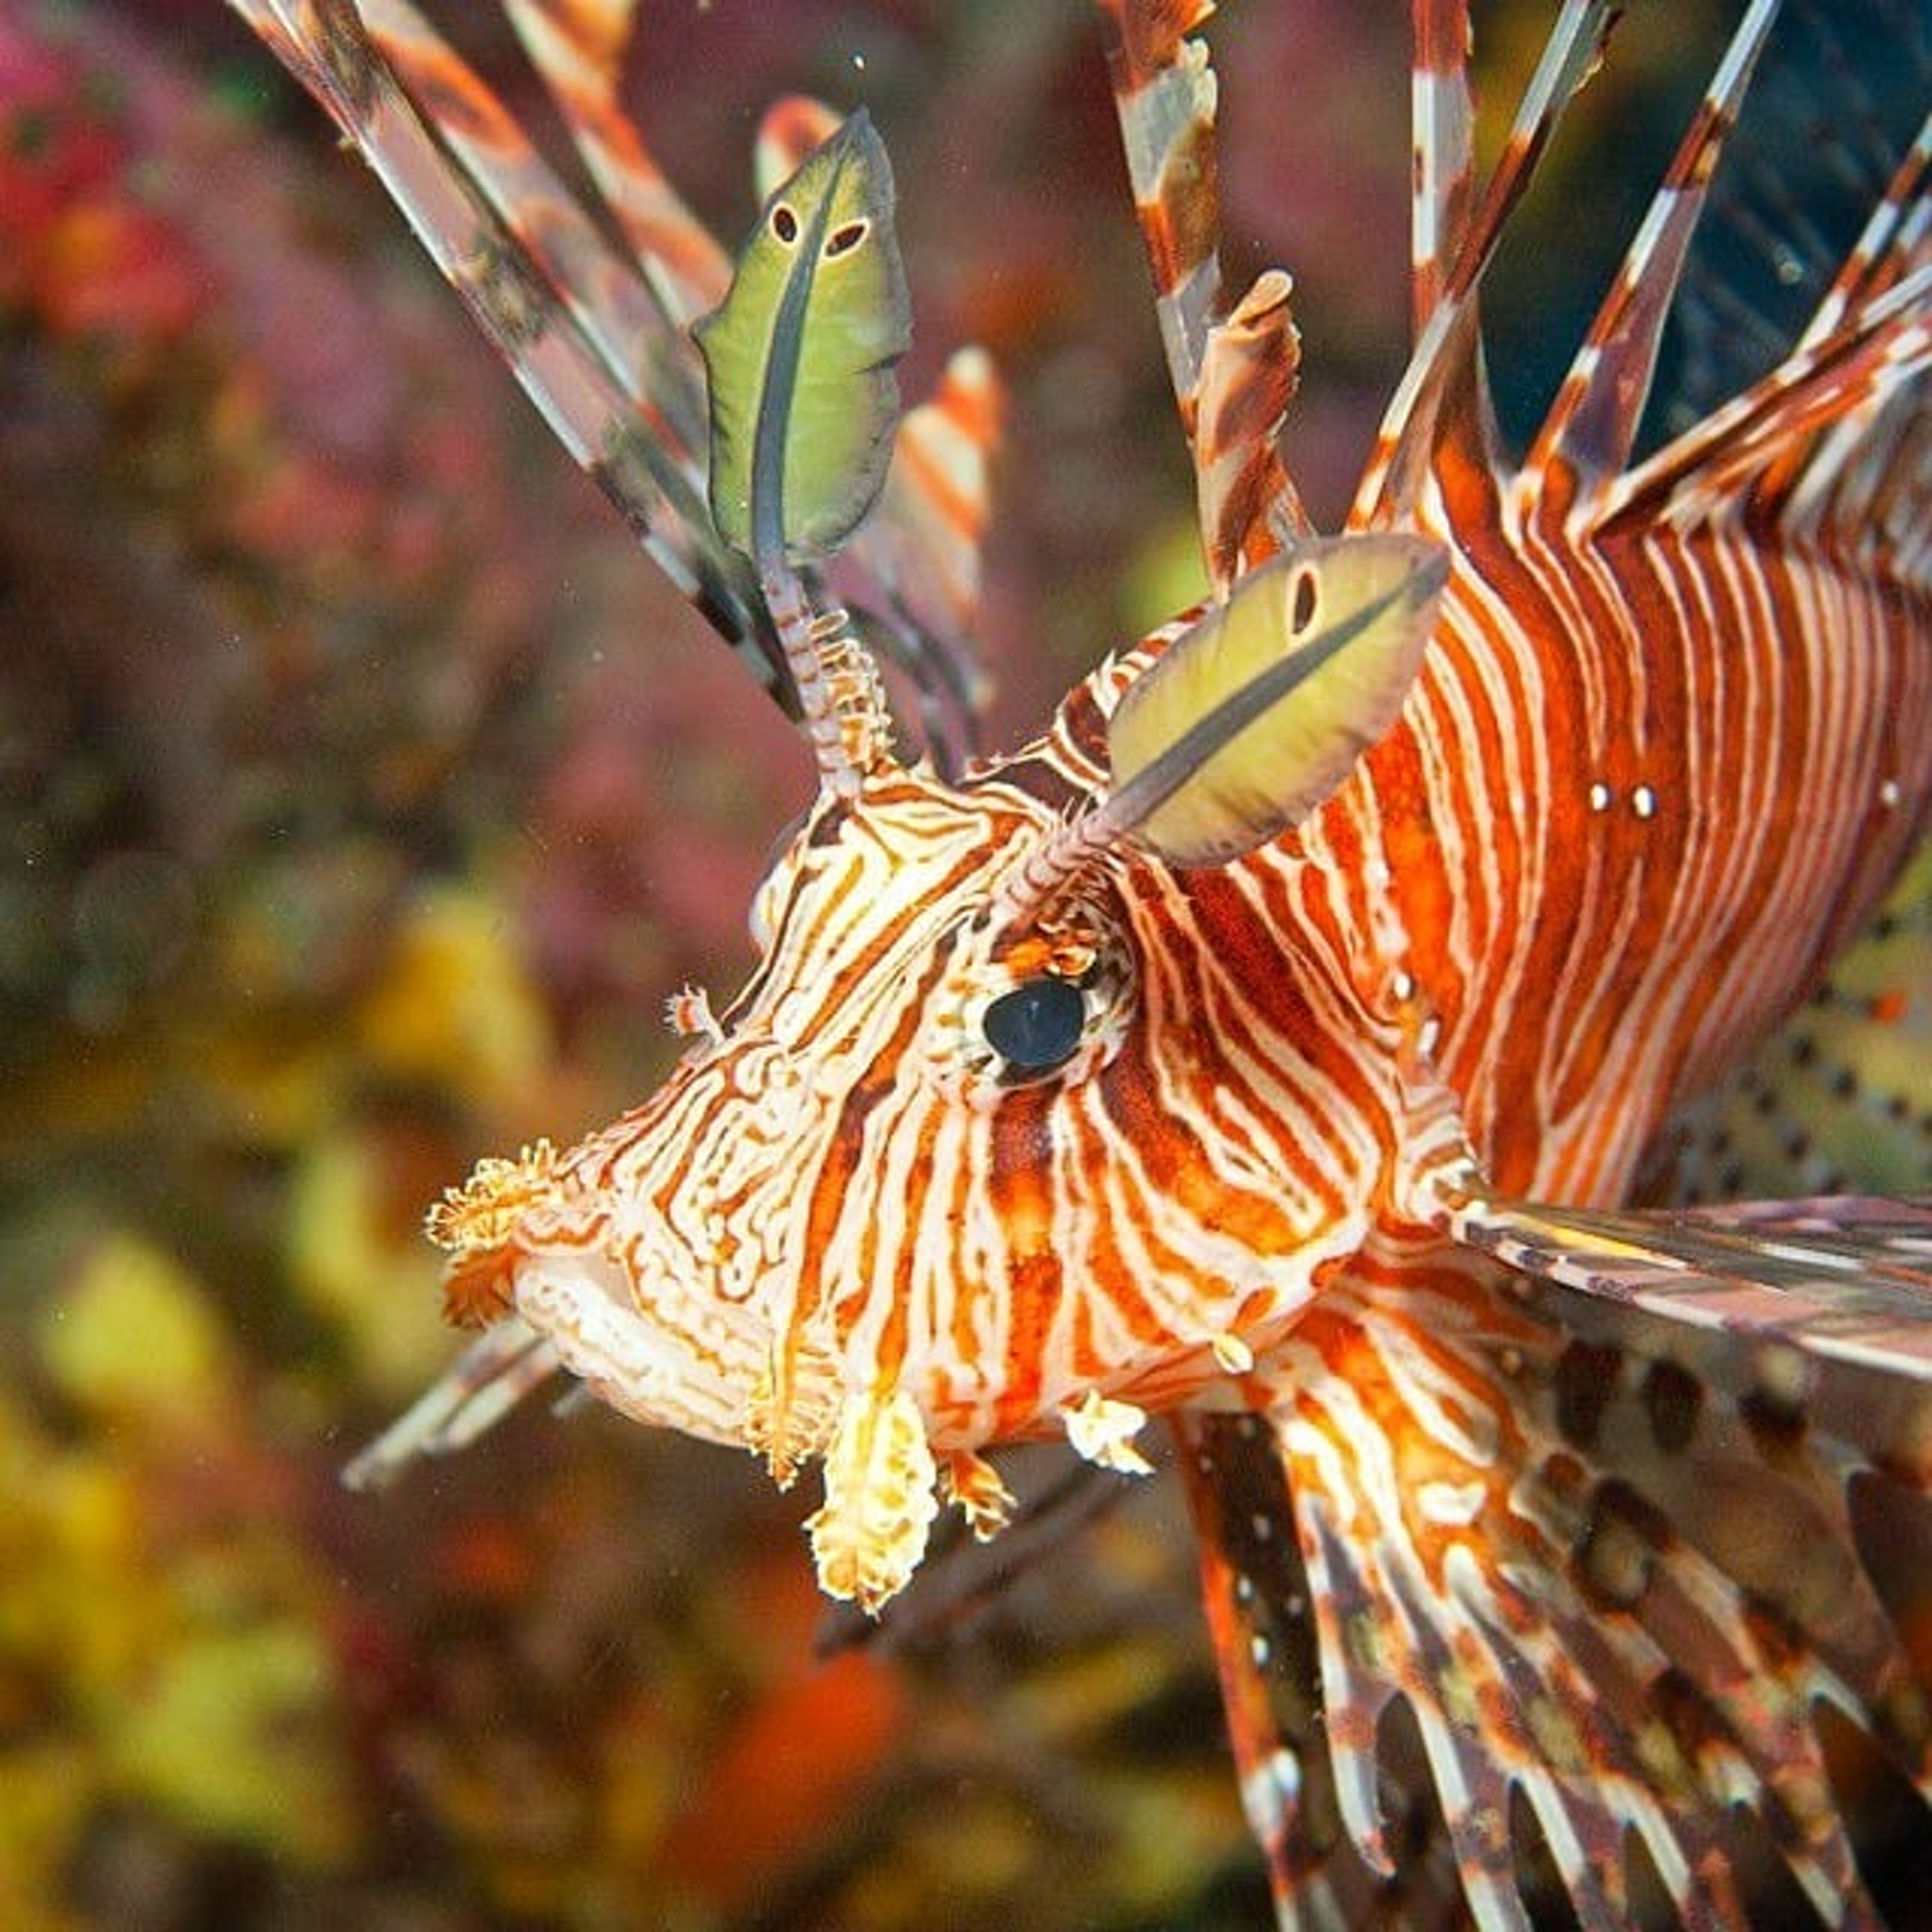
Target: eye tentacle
<point>1254,715</point>
<point>803,412</point>
<point>1051,867</point>
<point>841,710</point>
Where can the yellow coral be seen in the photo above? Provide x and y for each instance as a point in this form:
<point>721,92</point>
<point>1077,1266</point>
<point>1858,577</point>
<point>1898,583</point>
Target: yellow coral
<point>133,1336</point>
<point>349,1262</point>
<point>231,1733</point>
<point>455,1006</point>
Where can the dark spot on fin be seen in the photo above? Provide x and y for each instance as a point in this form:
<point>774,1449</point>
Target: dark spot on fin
<point>1673,1399</point>
<point>1586,1379</point>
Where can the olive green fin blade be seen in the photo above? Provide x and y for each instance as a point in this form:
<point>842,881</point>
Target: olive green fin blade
<point>1252,718</point>
<point>800,356</point>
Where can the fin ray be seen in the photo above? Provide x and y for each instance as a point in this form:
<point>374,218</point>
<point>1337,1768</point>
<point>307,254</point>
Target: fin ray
<point>578,50</point>
<point>1843,1280</point>
<point>1442,136</point>
<point>1233,374</point>
<point>639,460</point>
<point>471,1396</point>
<point>1593,422</point>
<point>1446,362</point>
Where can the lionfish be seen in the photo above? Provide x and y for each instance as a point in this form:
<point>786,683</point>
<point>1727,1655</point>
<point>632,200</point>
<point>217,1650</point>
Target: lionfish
<point>1274,1044</point>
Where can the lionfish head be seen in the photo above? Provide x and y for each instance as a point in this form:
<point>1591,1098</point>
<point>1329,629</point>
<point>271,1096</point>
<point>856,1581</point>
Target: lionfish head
<point>1031,1118</point>
<point>1021,1126</point>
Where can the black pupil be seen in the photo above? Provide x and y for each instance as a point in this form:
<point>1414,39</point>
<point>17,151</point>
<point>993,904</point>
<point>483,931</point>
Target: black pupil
<point>1037,1024</point>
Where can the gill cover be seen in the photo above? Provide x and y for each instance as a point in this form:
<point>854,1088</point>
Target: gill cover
<point>800,356</point>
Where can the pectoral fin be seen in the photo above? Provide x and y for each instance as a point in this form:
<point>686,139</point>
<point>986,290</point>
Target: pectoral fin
<point>1845,1279</point>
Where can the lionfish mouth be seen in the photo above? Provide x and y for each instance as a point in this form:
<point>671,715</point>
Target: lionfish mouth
<point>604,1333</point>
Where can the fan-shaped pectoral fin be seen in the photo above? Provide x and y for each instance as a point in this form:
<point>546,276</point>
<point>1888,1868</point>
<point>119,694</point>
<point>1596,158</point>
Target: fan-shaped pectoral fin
<point>1845,1279</point>
<point>1608,1607</point>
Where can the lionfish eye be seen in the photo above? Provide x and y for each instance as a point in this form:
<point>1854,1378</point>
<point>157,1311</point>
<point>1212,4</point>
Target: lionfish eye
<point>1037,1025</point>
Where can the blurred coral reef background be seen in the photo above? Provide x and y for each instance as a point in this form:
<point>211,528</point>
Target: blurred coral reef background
<point>362,794</point>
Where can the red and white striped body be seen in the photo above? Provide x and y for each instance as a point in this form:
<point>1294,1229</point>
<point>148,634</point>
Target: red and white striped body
<point>1648,786</point>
